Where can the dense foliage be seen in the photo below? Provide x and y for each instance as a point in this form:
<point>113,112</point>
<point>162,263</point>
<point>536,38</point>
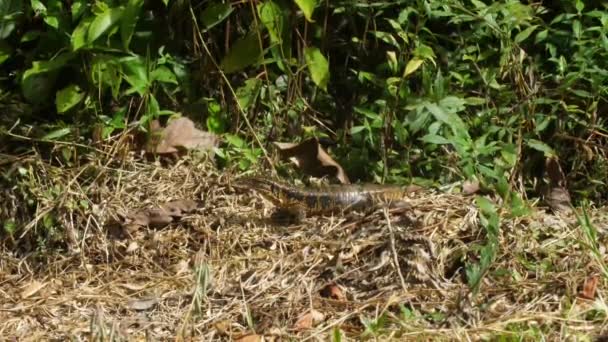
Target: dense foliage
<point>425,90</point>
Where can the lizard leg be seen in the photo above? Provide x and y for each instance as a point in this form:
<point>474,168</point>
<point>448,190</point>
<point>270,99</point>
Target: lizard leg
<point>289,214</point>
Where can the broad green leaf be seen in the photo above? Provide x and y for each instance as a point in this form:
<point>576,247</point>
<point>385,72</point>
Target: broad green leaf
<point>68,97</point>
<point>79,35</point>
<point>307,7</point>
<point>245,52</point>
<point>136,74</point>
<point>412,66</point>
<point>540,146</point>
<point>103,22</point>
<point>56,134</point>
<point>78,8</point>
<point>475,101</point>
<point>10,10</point>
<point>271,16</point>
<point>30,36</point>
<point>435,139</point>
<point>448,118</point>
<point>235,140</point>
<point>38,7</point>
<point>318,66</point>
<point>128,21</point>
<point>106,71</point>
<point>5,51</point>
<point>164,75</point>
<point>248,93</point>
<point>523,35</point>
<point>215,14</point>
<point>53,14</point>
<point>48,65</point>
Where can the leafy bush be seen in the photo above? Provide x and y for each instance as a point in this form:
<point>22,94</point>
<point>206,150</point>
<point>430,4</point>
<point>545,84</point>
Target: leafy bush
<point>438,91</point>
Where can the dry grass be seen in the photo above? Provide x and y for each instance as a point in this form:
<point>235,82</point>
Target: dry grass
<point>225,271</point>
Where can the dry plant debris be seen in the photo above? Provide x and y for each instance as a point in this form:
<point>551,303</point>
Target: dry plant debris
<point>312,159</point>
<point>226,272</point>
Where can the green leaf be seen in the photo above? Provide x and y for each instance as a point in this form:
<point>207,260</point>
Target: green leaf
<point>10,10</point>
<point>540,146</point>
<point>435,139</point>
<point>412,66</point>
<point>307,7</point>
<point>78,8</point>
<point>68,97</point>
<point>215,14</point>
<point>523,35</point>
<point>5,51</point>
<point>245,52</point>
<point>248,93</point>
<point>318,66</point>
<point>106,71</point>
<point>48,65</point>
<point>129,20</point>
<point>164,75</point>
<point>449,118</point>
<point>272,17</point>
<point>136,74</point>
<point>79,35</point>
<point>103,22</point>
<point>56,134</point>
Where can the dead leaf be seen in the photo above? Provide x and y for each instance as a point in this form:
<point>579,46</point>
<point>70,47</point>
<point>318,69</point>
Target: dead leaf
<point>142,304</point>
<point>179,133</point>
<point>332,291</point>
<point>590,287</point>
<point>158,217</point>
<point>31,289</point>
<point>470,187</point>
<point>250,338</point>
<point>310,157</point>
<point>309,319</point>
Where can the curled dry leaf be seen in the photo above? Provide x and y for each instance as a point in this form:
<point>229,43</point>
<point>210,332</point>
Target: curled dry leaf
<point>180,133</point>
<point>310,157</point>
<point>590,287</point>
<point>309,319</point>
<point>31,289</point>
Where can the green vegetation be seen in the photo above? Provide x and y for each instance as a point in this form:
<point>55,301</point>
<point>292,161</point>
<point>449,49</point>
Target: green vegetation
<point>436,93</point>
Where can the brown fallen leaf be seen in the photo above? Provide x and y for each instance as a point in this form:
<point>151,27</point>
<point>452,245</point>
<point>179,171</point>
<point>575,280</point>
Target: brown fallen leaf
<point>158,217</point>
<point>180,133</point>
<point>309,319</point>
<point>590,287</point>
<point>332,291</point>
<point>310,157</point>
<point>250,338</point>
<point>31,289</point>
